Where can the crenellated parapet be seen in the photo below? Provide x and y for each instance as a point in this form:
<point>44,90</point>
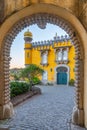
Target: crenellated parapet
<point>56,39</point>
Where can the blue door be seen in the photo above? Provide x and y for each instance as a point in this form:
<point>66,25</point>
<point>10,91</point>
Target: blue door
<point>62,78</point>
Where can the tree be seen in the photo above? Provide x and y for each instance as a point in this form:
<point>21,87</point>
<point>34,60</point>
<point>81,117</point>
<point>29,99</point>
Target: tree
<point>16,77</point>
<point>15,74</point>
<point>30,72</point>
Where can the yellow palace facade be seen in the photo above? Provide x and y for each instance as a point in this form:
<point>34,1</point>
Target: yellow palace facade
<point>55,56</point>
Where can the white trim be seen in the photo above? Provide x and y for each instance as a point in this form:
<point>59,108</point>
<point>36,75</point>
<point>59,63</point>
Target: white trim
<point>68,73</point>
<point>44,57</point>
<point>43,79</point>
<point>65,55</point>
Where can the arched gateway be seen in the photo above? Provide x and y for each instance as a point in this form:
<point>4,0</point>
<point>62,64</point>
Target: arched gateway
<point>41,14</point>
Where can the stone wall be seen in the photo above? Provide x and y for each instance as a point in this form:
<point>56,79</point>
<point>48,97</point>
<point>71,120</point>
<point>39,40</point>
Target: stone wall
<point>83,12</point>
<point>76,7</point>
<point>70,5</point>
<point>11,6</point>
<point>1,10</point>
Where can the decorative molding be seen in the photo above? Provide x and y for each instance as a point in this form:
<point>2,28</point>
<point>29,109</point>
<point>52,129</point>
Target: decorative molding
<point>62,61</point>
<point>44,64</point>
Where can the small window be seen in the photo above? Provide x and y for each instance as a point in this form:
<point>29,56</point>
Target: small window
<point>28,55</point>
<point>59,55</point>
<point>62,55</point>
<point>44,76</point>
<point>65,55</point>
<point>44,58</point>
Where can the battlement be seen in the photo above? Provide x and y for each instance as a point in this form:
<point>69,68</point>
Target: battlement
<point>56,39</point>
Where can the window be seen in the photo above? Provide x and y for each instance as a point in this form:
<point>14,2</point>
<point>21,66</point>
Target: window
<point>65,55</point>
<point>59,55</point>
<point>62,55</point>
<point>44,56</point>
<point>27,54</point>
<point>44,76</point>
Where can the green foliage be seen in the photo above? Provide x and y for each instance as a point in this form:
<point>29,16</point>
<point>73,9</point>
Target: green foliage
<point>16,77</point>
<point>71,82</point>
<point>36,80</point>
<point>18,88</point>
<point>31,72</point>
<point>15,73</point>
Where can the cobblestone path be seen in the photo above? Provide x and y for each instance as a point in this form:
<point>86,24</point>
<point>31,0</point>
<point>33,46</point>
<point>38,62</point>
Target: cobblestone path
<point>49,111</point>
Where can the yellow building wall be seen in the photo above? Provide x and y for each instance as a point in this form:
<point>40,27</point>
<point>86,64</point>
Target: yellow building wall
<point>28,53</point>
<point>50,68</point>
<point>36,59</point>
<point>71,63</point>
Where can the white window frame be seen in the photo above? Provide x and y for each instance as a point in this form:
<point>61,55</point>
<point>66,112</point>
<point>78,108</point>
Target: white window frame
<point>44,58</point>
<point>65,55</point>
<point>45,74</point>
<point>59,55</point>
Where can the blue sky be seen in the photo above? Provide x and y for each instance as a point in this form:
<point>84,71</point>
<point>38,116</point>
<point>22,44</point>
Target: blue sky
<point>17,49</point>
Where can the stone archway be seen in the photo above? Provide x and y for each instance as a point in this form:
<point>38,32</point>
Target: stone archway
<point>41,14</point>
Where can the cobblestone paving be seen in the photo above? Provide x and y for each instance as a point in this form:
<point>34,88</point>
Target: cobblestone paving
<point>49,111</point>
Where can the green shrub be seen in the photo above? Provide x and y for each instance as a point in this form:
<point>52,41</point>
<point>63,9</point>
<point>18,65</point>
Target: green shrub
<point>36,80</point>
<point>71,82</point>
<point>18,88</point>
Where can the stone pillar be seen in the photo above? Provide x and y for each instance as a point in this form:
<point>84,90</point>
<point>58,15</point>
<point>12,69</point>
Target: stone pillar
<point>67,53</point>
<point>6,107</point>
<point>78,112</point>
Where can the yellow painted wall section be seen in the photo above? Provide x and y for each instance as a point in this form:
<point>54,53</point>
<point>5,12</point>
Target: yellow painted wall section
<point>71,63</point>
<point>36,59</point>
<point>28,53</point>
<point>52,64</point>
<point>28,45</point>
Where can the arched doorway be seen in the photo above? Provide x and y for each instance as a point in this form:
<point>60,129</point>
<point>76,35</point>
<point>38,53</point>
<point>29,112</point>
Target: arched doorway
<point>62,75</point>
<point>41,14</point>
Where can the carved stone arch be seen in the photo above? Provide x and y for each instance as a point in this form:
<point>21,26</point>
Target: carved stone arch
<point>36,14</point>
